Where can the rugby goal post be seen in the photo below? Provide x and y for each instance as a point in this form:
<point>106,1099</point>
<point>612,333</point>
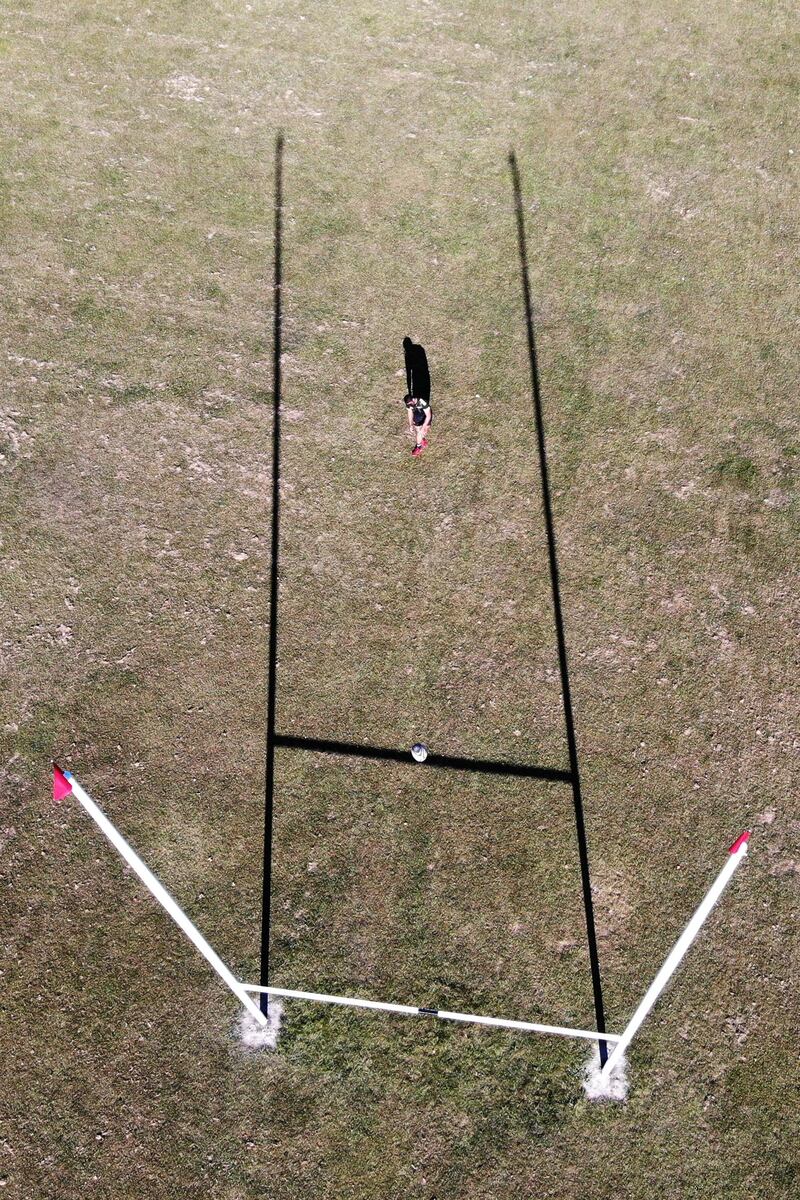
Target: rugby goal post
<point>65,784</point>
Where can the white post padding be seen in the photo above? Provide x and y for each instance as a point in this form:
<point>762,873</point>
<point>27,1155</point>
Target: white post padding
<point>165,900</point>
<point>736,856</point>
<point>412,1010</point>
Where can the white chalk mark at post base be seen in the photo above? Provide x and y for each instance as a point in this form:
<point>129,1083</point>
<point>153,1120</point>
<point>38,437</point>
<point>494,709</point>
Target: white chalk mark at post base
<point>162,895</point>
<point>737,854</point>
<point>411,1010</point>
<point>599,1086</point>
<point>255,1036</point>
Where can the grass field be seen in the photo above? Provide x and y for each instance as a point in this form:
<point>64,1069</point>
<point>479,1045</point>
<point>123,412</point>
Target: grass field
<point>656,146</point>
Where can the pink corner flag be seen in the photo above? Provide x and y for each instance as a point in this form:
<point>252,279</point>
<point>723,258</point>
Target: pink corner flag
<point>61,785</point>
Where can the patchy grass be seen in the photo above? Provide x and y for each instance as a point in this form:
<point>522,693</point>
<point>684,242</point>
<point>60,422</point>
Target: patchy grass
<point>657,161</point>
<point>736,469</point>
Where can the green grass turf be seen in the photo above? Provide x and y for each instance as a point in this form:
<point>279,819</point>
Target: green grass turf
<point>656,145</point>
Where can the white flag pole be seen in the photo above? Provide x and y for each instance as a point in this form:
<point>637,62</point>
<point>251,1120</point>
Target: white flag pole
<point>161,894</point>
<point>736,856</point>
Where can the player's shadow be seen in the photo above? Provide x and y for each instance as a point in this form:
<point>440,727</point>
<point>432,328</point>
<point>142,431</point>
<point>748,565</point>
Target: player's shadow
<point>418,375</point>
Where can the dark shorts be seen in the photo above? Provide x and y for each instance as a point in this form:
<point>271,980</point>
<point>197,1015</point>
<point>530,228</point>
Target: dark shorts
<point>420,415</point>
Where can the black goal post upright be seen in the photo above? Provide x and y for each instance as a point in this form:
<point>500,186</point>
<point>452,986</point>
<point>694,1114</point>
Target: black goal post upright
<point>569,722</point>
<point>272,614</point>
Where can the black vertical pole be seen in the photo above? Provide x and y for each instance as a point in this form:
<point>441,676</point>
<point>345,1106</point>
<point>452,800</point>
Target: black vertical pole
<point>272,616</point>
<point>569,722</point>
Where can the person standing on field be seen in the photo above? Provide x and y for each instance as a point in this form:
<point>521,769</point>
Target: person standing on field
<point>418,397</point>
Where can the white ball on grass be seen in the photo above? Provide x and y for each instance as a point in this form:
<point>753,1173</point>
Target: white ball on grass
<point>419,752</point>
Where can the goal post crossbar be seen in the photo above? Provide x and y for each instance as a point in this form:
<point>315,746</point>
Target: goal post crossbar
<point>452,762</point>
<point>412,1010</point>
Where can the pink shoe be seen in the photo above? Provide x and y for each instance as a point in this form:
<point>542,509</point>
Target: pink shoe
<point>424,444</point>
<point>415,453</point>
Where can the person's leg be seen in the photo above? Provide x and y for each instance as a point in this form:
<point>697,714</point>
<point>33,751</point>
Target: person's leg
<point>422,432</point>
<point>417,450</point>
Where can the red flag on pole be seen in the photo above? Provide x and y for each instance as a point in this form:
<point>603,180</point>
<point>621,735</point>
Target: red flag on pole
<point>61,785</point>
<point>740,841</point>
